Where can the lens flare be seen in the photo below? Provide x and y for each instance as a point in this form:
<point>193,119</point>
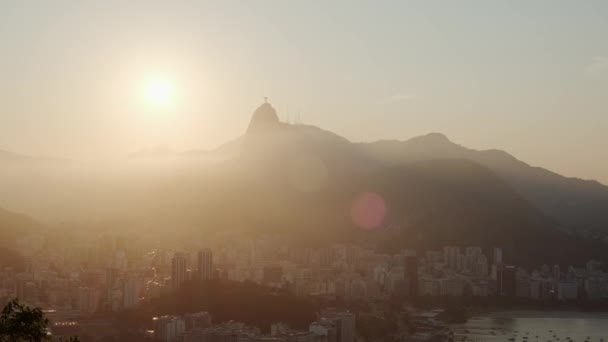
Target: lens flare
<point>368,210</point>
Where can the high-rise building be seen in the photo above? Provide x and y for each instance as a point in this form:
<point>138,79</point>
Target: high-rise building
<point>497,256</point>
<point>231,332</point>
<point>451,254</point>
<point>110,283</point>
<point>344,323</point>
<point>545,270</point>
<point>120,260</point>
<point>130,294</point>
<point>556,273</point>
<point>30,291</point>
<point>197,320</point>
<point>205,264</point>
<point>116,300</point>
<point>481,267</point>
<point>168,328</point>
<point>472,255</point>
<point>411,274</point>
<point>567,290</point>
<point>88,299</point>
<point>178,270</point>
<point>507,280</point>
<point>325,329</point>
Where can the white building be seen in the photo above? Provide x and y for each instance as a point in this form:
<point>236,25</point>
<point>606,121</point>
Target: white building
<point>168,328</point>
<point>205,264</point>
<point>344,322</point>
<point>88,299</point>
<point>567,290</point>
<point>178,270</point>
<point>130,294</point>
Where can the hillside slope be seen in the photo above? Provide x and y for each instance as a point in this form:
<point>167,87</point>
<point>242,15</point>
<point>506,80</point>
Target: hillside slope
<point>14,226</point>
<point>435,203</point>
<point>580,205</point>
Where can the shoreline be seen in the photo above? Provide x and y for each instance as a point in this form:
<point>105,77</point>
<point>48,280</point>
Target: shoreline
<point>540,314</point>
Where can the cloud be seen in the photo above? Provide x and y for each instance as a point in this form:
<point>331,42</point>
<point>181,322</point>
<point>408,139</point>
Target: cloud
<point>598,64</point>
<point>397,98</point>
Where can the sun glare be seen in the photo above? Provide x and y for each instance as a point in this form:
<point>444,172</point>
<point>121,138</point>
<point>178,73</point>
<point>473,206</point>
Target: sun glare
<point>159,93</point>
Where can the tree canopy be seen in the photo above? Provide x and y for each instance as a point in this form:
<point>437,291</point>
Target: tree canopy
<point>20,323</point>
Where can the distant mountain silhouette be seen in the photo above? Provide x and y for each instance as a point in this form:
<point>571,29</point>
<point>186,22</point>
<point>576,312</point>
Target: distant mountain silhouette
<point>265,117</point>
<point>305,181</point>
<point>228,150</point>
<point>302,180</point>
<point>580,205</point>
<point>154,152</point>
<point>7,157</point>
<point>14,226</point>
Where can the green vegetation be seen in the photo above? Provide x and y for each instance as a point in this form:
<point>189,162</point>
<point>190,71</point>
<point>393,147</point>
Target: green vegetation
<point>20,323</point>
<point>247,302</point>
<point>14,226</point>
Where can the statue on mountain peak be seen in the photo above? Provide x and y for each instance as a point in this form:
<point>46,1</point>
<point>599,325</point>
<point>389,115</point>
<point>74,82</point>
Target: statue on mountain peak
<point>265,116</point>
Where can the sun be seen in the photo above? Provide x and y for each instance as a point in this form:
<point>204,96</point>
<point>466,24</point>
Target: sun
<point>159,93</point>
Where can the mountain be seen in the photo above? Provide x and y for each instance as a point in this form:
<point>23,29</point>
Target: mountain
<point>13,226</point>
<point>228,150</point>
<point>9,158</point>
<point>161,151</point>
<point>318,188</point>
<point>579,205</point>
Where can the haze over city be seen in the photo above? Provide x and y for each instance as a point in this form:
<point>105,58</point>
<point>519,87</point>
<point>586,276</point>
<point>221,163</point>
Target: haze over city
<point>297,171</point>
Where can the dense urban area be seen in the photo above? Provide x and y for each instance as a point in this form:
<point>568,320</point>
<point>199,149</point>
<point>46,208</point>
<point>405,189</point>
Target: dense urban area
<point>264,289</point>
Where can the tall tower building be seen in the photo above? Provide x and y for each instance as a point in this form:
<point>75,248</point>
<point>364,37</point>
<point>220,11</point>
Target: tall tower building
<point>497,256</point>
<point>130,294</point>
<point>451,256</point>
<point>344,323</point>
<point>178,270</point>
<point>205,264</point>
<point>168,328</point>
<point>507,280</point>
<point>411,274</point>
<point>556,273</point>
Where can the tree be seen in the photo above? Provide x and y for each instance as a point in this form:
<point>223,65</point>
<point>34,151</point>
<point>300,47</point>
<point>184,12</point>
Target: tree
<point>20,323</point>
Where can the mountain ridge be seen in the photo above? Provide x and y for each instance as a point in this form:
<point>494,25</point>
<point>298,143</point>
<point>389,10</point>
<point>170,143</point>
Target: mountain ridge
<point>17,158</point>
<point>578,203</point>
<point>434,201</point>
<point>14,226</point>
<point>279,175</point>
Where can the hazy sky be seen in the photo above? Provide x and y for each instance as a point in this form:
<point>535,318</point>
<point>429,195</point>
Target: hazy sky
<point>529,77</point>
